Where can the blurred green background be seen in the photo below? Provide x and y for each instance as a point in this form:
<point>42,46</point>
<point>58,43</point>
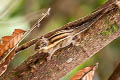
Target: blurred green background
<point>24,13</point>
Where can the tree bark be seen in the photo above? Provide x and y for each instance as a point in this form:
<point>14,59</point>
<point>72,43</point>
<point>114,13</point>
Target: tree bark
<point>91,41</point>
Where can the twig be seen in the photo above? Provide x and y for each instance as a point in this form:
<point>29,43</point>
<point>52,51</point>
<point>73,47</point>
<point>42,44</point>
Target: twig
<point>30,30</point>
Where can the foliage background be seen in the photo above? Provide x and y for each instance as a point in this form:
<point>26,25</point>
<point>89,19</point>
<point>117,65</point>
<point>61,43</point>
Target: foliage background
<point>24,13</point>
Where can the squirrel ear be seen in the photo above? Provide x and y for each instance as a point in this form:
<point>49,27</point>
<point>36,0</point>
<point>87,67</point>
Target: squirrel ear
<point>44,39</point>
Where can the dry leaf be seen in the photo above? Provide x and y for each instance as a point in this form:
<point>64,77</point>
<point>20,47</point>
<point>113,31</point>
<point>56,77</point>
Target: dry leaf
<point>85,74</point>
<point>6,44</point>
<point>4,65</point>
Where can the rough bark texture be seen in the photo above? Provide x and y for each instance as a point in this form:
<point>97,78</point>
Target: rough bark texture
<point>116,74</point>
<point>91,41</point>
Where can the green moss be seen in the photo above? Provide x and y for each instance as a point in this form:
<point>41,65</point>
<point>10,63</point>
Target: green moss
<point>115,27</point>
<point>104,33</point>
<point>111,29</point>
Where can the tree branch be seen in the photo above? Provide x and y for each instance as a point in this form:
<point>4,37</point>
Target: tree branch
<point>26,45</point>
<point>91,41</point>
